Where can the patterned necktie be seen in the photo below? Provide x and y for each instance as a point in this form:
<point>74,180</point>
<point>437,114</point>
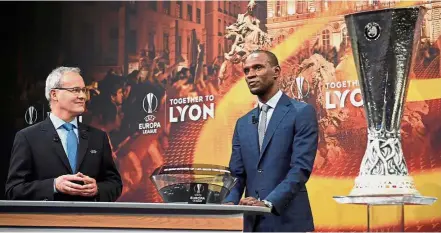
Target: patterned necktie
<point>72,144</point>
<point>262,125</point>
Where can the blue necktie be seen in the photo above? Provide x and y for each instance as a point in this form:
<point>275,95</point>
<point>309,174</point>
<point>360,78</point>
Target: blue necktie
<point>72,145</point>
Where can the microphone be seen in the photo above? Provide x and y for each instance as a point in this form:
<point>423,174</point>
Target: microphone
<point>56,138</point>
<point>254,120</point>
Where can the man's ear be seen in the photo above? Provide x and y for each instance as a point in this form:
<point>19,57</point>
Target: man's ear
<point>53,95</point>
<point>277,70</point>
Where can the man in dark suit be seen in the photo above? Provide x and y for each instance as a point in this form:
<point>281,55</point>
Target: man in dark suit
<point>274,148</point>
<point>59,158</point>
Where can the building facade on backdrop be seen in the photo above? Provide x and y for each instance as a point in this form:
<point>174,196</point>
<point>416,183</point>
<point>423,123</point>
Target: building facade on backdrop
<point>285,17</point>
<point>120,30</point>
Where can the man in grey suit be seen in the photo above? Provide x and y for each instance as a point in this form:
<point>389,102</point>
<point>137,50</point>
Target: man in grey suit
<point>274,148</point>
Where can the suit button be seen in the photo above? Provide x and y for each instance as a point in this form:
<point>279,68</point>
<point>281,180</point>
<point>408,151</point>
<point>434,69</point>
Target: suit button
<point>260,170</point>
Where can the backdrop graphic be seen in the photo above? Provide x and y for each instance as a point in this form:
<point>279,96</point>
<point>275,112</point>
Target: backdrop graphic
<point>161,102</point>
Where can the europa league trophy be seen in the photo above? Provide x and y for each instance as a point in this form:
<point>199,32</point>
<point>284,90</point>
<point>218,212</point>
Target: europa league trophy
<point>383,44</point>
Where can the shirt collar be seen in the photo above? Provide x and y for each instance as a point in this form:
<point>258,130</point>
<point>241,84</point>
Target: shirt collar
<point>58,122</point>
<point>273,101</point>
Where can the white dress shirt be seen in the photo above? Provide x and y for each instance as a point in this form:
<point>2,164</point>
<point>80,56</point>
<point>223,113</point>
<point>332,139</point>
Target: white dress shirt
<point>62,133</point>
<point>272,103</point>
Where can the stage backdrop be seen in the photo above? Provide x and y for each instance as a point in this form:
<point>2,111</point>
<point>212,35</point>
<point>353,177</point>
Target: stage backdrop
<point>153,70</point>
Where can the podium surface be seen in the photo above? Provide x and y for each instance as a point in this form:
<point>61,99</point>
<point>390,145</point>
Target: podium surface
<point>33,215</point>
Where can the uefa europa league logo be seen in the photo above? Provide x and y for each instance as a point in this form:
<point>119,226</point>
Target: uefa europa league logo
<point>150,103</point>
<point>31,115</point>
<point>198,193</point>
<point>199,188</point>
<point>300,88</point>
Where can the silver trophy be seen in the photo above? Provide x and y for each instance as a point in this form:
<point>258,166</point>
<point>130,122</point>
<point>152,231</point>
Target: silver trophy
<point>383,44</point>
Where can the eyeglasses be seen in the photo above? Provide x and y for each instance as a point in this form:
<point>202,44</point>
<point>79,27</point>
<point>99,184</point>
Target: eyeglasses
<point>75,90</point>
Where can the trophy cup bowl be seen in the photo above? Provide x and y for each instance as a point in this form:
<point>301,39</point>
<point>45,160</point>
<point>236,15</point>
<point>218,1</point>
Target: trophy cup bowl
<point>383,43</point>
<point>193,183</point>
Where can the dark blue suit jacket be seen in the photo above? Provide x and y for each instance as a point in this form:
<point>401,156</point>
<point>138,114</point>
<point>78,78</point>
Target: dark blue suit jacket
<point>38,158</point>
<point>279,173</point>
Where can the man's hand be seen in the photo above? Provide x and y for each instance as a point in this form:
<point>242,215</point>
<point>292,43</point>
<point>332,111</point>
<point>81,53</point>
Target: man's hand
<point>90,188</point>
<point>260,203</point>
<point>64,184</point>
<point>251,201</point>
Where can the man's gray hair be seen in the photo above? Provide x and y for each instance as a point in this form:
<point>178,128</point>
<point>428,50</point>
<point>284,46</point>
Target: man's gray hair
<point>54,78</point>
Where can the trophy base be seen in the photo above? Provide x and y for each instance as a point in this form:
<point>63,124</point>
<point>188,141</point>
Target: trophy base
<point>391,204</point>
<point>373,185</point>
<point>386,200</point>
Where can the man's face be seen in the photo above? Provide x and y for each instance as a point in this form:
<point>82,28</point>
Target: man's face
<point>117,99</point>
<point>260,75</point>
<point>72,98</point>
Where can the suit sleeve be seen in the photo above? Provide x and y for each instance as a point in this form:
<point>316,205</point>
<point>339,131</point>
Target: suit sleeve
<point>109,184</point>
<point>302,159</point>
<point>237,169</point>
<point>20,183</point>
